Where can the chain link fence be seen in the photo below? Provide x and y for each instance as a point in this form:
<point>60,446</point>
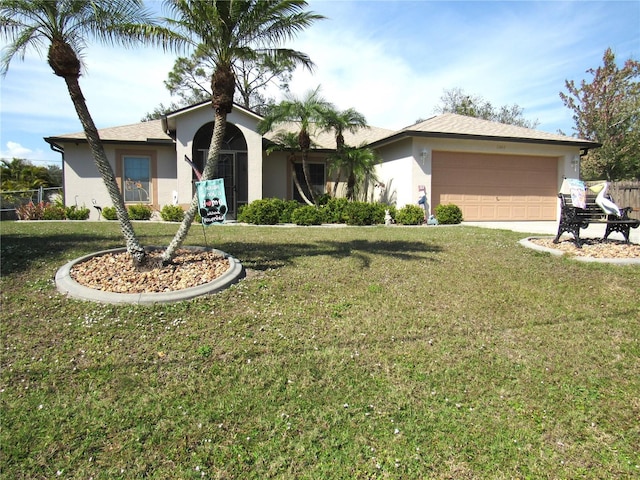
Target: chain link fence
<point>10,200</point>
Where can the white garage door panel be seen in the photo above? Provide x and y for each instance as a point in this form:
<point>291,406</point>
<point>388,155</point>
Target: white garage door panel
<point>496,187</point>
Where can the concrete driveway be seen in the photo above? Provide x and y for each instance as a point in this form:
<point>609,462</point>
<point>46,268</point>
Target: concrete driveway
<point>551,228</point>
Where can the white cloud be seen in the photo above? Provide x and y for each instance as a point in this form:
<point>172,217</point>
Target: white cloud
<point>16,150</point>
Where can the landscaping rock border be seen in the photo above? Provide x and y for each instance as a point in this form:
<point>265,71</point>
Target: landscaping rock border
<point>65,284</point>
<point>529,243</point>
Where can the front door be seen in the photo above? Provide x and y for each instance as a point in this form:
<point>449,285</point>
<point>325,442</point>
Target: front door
<point>232,168</point>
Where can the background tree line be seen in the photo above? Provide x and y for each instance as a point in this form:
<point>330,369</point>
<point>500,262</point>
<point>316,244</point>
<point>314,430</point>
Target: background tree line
<point>20,174</point>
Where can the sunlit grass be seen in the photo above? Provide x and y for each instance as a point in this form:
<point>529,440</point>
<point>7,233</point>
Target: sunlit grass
<point>373,352</point>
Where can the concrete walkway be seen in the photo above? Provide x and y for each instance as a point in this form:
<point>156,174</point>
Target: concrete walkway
<point>551,228</point>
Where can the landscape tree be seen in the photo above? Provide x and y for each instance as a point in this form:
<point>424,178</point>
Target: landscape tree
<point>309,114</point>
<point>359,163</point>
<point>63,28</point>
<point>349,120</point>
<point>20,174</point>
<point>455,100</point>
<point>607,110</point>
<point>228,31</point>
<point>288,142</point>
<point>188,79</point>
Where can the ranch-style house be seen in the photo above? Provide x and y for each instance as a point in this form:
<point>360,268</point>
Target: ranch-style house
<point>492,171</point>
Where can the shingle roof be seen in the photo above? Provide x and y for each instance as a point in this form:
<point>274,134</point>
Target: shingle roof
<point>327,140</point>
<point>137,132</point>
<point>453,125</point>
<point>445,125</point>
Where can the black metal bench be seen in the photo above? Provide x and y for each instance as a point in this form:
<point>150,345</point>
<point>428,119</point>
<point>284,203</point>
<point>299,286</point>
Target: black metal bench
<point>572,219</point>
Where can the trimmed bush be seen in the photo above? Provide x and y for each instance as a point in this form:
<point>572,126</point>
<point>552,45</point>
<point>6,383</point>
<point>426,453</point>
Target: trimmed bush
<point>172,213</point>
<point>448,214</point>
<point>288,207</point>
<point>76,213</point>
<point>323,199</point>
<point>260,212</point>
<point>307,215</point>
<point>410,215</point>
<point>109,213</point>
<point>268,211</point>
<point>361,213</point>
<point>379,212</point>
<point>334,210</point>
<point>53,212</point>
<point>139,212</point>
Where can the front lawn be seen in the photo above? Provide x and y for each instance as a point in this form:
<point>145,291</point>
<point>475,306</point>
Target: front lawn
<point>352,352</point>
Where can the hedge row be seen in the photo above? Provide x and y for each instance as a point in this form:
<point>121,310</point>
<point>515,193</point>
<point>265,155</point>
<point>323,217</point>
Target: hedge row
<point>271,211</point>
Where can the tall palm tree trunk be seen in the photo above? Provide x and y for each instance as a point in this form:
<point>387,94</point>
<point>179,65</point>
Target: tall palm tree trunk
<point>296,181</point>
<point>351,186</point>
<point>134,248</point>
<point>219,126</point>
<point>304,140</point>
<point>307,176</point>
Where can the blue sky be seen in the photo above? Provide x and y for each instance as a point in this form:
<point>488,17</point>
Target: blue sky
<point>390,60</point>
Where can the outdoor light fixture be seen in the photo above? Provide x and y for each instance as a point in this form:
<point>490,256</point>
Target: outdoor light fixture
<point>575,161</point>
<point>424,154</point>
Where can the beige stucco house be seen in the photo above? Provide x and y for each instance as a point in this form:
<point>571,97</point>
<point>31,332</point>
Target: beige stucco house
<point>490,170</point>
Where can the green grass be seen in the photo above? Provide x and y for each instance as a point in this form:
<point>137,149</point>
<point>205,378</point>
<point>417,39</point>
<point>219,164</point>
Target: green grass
<point>364,352</point>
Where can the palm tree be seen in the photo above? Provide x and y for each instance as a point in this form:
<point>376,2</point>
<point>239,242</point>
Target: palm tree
<point>63,26</point>
<point>288,142</point>
<point>349,120</point>
<point>309,114</point>
<point>360,163</point>
<point>230,31</point>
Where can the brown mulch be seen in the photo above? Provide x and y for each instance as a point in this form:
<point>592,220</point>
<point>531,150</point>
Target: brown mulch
<point>115,272</point>
<point>592,247</point>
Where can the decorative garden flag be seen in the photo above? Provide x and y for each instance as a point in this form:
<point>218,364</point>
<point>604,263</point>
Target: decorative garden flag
<point>212,201</point>
<point>578,191</point>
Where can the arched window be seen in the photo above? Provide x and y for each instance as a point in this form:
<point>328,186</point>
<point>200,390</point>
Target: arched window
<point>232,163</point>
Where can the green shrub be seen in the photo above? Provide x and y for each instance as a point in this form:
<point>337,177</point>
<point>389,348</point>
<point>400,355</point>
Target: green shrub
<point>410,215</point>
<point>265,211</point>
<point>172,213</point>
<point>393,211</point>
<point>334,210</point>
<point>448,214</point>
<point>379,212</point>
<point>288,207</point>
<point>361,213</point>
<point>53,212</point>
<point>139,212</point>
<point>323,199</point>
<point>307,215</point>
<point>109,213</point>
<point>76,213</point>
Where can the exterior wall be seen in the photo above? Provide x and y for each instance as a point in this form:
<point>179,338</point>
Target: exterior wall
<point>83,183</point>
<point>276,179</point>
<point>396,173</point>
<point>186,127</point>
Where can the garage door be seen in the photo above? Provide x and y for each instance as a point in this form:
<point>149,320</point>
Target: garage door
<point>496,187</point>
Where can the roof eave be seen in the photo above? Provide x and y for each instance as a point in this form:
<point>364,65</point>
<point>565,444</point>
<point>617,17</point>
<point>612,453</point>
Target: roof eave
<point>461,136</point>
<point>148,141</point>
